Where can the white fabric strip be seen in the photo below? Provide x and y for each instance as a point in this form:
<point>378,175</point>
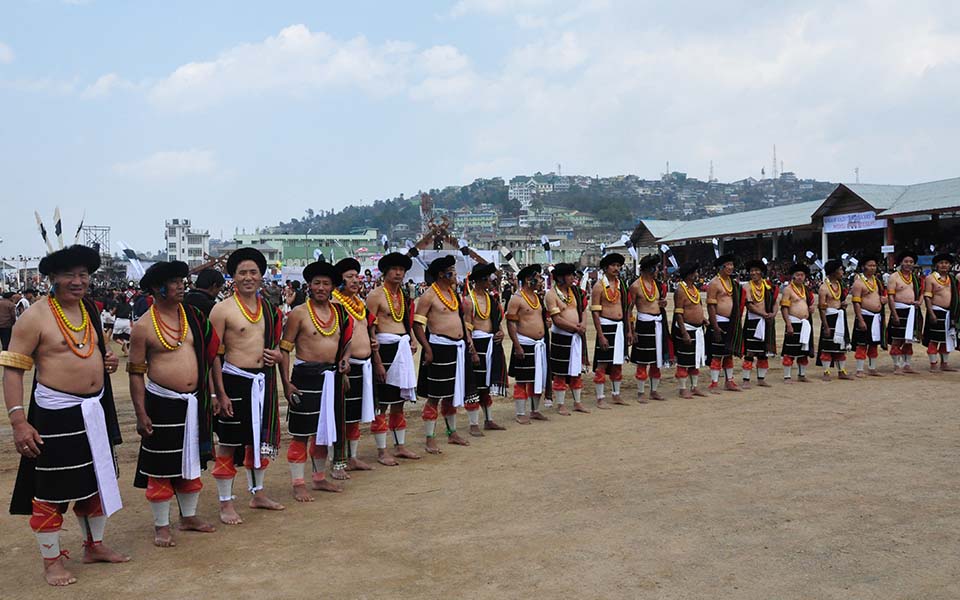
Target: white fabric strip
<point>539,361</point>
<point>841,327</point>
<point>258,384</point>
<point>575,368</point>
<point>911,320</point>
<point>875,324</point>
<point>760,333</point>
<point>459,381</point>
<point>327,422</point>
<point>401,373</point>
<point>618,339</point>
<point>190,461</point>
<point>701,344</point>
<point>658,327</point>
<point>805,331</point>
<point>488,355</point>
<point>367,411</point>
<point>95,422</point>
<point>949,330</point>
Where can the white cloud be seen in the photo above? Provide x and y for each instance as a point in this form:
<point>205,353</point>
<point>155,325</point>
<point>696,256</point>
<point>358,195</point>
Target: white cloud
<point>104,85</point>
<point>6,54</point>
<point>165,166</point>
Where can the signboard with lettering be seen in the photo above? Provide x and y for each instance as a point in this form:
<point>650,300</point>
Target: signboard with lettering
<point>853,222</point>
<point>887,249</point>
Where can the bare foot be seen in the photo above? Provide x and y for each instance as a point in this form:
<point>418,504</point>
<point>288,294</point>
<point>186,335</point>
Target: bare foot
<point>898,371</point>
<point>493,426</point>
<point>619,401</point>
<point>787,380</point>
<point>763,383</point>
<point>934,368</point>
<point>827,377</point>
<point>98,552</point>
<point>162,537</point>
<point>714,389</point>
<point>523,419</point>
<point>602,405</point>
<point>686,394</point>
<point>228,514</point>
<point>339,474</point>
<point>562,410</point>
<point>325,485</point>
<point>655,395</point>
<point>746,385</point>
<point>844,377</point>
<point>698,392</point>
<point>195,524</point>
<point>642,399</point>
<point>260,500</point>
<point>860,375</point>
<point>56,574</point>
<point>947,368</point>
<point>402,452</point>
<point>580,408</point>
<point>874,373</point>
<point>908,369</point>
<point>385,459</point>
<point>803,379</point>
<point>731,386</point>
<point>300,493</point>
<point>475,431</point>
<point>355,464</point>
<point>431,446</point>
<point>456,439</point>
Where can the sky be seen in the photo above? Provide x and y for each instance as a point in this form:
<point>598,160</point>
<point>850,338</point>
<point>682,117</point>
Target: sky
<point>239,114</point>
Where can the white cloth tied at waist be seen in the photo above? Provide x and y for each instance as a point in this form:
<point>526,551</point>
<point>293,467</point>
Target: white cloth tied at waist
<point>460,379</point>
<point>539,361</point>
<point>367,410</point>
<point>701,344</point>
<point>875,324</point>
<point>760,333</point>
<point>658,329</point>
<point>805,330</point>
<point>840,329</point>
<point>95,422</point>
<point>575,368</point>
<point>950,332</point>
<point>401,373</point>
<point>908,333</point>
<point>258,384</point>
<point>488,355</point>
<point>190,457</point>
<point>618,339</point>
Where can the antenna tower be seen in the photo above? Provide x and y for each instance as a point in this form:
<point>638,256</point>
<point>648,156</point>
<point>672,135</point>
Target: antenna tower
<point>711,178</point>
<point>773,172</point>
<point>856,173</point>
<point>559,171</point>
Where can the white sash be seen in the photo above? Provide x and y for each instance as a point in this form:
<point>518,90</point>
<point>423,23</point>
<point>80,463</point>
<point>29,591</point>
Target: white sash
<point>701,344</point>
<point>367,410</point>
<point>617,339</point>
<point>805,331</point>
<point>401,373</point>
<point>575,368</point>
<point>658,328</point>
<point>190,457</point>
<point>539,361</point>
<point>327,422</point>
<point>488,355</point>
<point>949,330</point>
<point>911,320</point>
<point>460,379</point>
<point>841,327</point>
<point>874,324</point>
<point>257,389</point>
<point>760,333</point>
<point>95,422</point>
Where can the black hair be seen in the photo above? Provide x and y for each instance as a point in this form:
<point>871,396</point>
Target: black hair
<point>208,278</point>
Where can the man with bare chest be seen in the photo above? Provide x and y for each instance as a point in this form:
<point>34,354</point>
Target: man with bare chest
<point>320,332</point>
<point>904,291</point>
<point>359,397</point>
<point>942,301</point>
<point>609,307</point>
<point>175,346</point>
<point>527,326</point>
<point>759,330</point>
<point>796,306</point>
<point>647,334</point>
<point>868,296</point>
<point>446,378</point>
<point>65,440</point>
<point>567,306</point>
<point>483,316</point>
<point>248,426</point>
<point>834,335</point>
<point>724,309</point>
<point>689,342</point>
<point>393,367</point>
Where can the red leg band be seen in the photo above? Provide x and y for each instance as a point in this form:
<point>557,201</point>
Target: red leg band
<point>159,490</point>
<point>223,467</point>
<point>788,361</point>
<point>447,408</point>
<point>873,351</point>
<point>46,517</point>
<point>398,421</point>
<point>715,364</point>
<point>187,486</point>
<point>91,507</point>
<point>803,360</point>
<point>616,372</point>
<point>642,374</point>
<point>248,459</point>
<point>559,383</point>
<point>316,451</point>
<point>576,383</point>
<point>748,365</point>
<point>353,431</point>
<point>379,424</point>
<point>429,412</point>
<point>655,372</point>
<point>860,353</point>
<point>682,373</point>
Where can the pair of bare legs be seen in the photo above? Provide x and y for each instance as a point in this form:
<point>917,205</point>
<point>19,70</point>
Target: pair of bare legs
<point>55,571</point>
<point>163,537</point>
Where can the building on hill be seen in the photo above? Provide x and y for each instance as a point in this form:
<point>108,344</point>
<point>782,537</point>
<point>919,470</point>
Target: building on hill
<point>484,218</point>
<point>296,250</point>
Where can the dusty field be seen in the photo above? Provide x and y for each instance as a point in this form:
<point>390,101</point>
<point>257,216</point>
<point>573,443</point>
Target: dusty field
<point>813,491</point>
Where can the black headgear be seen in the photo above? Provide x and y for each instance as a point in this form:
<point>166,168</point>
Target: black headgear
<point>68,258</point>
<point>161,272</point>
<point>724,259</point>
<point>322,269</point>
<point>241,254</point>
<point>755,264</point>
<point>649,262</point>
<point>528,271</point>
<point>562,270</point>
<point>439,265</point>
<point>394,259</point>
<point>614,258</point>
<point>347,264</point>
<point>482,271</point>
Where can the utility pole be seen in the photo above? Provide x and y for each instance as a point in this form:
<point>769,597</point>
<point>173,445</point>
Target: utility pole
<point>773,172</point>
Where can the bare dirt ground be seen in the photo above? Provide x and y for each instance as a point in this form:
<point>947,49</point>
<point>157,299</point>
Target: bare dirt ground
<point>810,491</point>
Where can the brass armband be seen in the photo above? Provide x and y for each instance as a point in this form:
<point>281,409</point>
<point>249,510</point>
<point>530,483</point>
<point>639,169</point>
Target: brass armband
<point>221,350</point>
<point>555,311</point>
<point>422,319</point>
<point>678,311</point>
<point>822,305</point>
<point>376,320</point>
<point>713,301</point>
<point>136,368</point>
<point>596,307</point>
<point>15,360</point>
<point>928,294</point>
<point>513,317</point>
<point>469,326</point>
<point>287,346</point>
<point>856,299</point>
<point>785,302</point>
